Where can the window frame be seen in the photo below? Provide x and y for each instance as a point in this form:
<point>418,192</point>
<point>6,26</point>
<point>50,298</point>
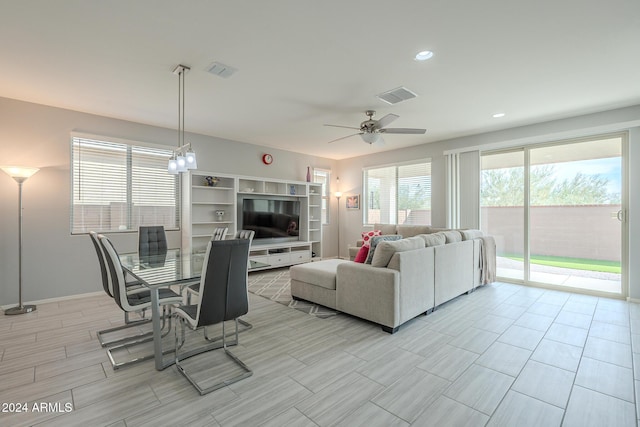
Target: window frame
<point>326,194</point>
<point>131,146</point>
<point>366,202</point>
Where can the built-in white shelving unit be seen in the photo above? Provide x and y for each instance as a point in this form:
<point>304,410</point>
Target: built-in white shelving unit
<point>207,207</point>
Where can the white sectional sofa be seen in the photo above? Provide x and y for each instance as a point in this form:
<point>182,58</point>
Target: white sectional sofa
<point>419,273</point>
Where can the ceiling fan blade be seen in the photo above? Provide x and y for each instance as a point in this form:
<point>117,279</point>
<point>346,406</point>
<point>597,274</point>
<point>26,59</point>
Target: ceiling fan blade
<point>386,120</point>
<point>345,137</point>
<point>339,126</point>
<point>403,130</point>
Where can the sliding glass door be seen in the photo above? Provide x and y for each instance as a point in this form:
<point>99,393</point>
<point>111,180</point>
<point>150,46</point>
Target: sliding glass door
<point>557,213</point>
<point>502,209</point>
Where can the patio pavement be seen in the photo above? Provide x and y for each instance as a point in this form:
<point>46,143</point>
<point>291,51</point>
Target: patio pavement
<point>583,279</point>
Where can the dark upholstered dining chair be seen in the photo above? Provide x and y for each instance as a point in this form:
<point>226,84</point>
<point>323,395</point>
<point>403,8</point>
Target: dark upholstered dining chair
<point>131,302</point>
<point>152,240</point>
<point>219,233</point>
<point>223,286</point>
<point>133,287</point>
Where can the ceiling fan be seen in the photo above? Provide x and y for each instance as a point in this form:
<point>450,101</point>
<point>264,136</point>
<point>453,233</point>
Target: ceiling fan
<point>371,130</point>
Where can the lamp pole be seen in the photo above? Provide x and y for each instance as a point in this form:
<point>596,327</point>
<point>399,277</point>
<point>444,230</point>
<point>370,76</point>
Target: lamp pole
<point>338,195</point>
<point>20,175</point>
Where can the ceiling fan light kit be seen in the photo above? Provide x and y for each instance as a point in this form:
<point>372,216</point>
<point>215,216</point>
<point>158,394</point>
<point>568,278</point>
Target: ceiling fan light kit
<point>371,129</point>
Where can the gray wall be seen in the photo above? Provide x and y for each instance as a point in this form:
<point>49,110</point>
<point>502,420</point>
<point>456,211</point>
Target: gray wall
<point>57,264</point>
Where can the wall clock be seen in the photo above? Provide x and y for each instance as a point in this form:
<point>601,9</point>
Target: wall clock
<point>267,159</point>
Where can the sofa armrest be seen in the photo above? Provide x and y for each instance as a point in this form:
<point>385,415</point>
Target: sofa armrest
<point>371,293</point>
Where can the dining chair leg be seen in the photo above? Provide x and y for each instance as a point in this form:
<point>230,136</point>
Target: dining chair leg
<point>246,325</point>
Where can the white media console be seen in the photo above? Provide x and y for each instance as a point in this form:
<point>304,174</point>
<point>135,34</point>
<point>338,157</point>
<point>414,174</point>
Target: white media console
<point>206,207</point>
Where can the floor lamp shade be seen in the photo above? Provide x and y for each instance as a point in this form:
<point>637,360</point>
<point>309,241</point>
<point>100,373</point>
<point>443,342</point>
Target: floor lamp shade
<point>20,174</point>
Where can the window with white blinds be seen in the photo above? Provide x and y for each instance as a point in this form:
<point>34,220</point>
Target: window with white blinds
<point>119,187</point>
<point>398,194</point>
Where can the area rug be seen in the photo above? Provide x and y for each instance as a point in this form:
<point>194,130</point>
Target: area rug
<point>275,285</point>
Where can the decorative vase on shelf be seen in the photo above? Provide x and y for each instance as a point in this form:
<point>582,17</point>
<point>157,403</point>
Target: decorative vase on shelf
<point>308,173</point>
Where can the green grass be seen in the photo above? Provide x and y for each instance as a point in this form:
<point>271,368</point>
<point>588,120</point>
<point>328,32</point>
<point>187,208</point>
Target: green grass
<point>574,263</point>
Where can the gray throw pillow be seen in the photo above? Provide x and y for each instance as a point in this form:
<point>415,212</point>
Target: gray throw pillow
<point>435,239</point>
<point>385,250</point>
<point>452,236</point>
<point>377,239</point>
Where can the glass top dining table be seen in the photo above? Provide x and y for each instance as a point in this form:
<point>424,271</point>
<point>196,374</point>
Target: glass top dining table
<point>173,267</point>
<point>160,270</point>
<point>168,268</point>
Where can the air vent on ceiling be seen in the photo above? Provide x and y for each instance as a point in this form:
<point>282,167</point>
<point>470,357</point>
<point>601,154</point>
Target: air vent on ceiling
<point>221,70</point>
<point>396,95</point>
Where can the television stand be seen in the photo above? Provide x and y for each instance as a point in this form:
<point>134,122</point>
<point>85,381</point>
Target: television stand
<point>274,255</point>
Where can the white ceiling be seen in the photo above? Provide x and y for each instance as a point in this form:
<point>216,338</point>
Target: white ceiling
<point>304,63</point>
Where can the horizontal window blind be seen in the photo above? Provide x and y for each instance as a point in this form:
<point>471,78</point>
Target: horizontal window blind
<point>119,187</point>
<point>398,194</point>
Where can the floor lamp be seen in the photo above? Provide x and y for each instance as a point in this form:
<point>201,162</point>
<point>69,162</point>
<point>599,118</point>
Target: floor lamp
<point>20,174</point>
<point>338,195</point>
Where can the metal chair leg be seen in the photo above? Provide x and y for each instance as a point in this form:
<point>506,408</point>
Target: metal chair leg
<point>128,323</point>
<point>130,342</point>
<point>247,372</point>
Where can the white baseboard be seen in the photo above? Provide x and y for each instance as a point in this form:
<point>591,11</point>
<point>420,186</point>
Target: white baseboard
<point>56,299</point>
<point>636,300</point>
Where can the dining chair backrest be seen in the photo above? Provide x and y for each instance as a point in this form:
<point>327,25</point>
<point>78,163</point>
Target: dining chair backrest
<point>245,234</point>
<point>219,233</point>
<point>116,272</point>
<point>151,240</point>
<point>223,284</point>
<point>106,282</point>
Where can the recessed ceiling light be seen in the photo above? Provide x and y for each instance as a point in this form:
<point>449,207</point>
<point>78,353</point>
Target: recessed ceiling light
<point>424,55</point>
<point>498,115</point>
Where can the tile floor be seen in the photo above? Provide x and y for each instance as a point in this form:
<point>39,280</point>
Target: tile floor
<point>505,355</point>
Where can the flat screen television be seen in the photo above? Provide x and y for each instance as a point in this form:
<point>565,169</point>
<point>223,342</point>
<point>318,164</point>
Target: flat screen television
<point>271,218</point>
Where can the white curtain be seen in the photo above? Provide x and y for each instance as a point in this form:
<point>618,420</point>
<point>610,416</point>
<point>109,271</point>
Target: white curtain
<point>453,190</point>
<point>463,189</point>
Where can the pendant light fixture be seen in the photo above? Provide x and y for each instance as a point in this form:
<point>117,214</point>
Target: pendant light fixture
<point>183,157</point>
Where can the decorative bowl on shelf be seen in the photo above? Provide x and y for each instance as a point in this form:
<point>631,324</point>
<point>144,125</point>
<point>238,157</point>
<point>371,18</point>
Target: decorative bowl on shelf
<point>248,190</point>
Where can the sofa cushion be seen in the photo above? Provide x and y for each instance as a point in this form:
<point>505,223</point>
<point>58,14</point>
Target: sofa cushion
<point>451,236</point>
<point>385,249</point>
<point>377,239</point>
<point>321,273</point>
<point>386,228</point>
<point>361,256</point>
<point>435,239</point>
<point>413,230</point>
<point>471,234</point>
<point>367,235</point>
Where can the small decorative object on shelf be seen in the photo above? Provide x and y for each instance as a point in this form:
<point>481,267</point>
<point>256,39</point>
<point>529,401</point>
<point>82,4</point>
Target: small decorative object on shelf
<point>220,215</point>
<point>211,181</point>
<point>308,173</point>
<point>292,190</point>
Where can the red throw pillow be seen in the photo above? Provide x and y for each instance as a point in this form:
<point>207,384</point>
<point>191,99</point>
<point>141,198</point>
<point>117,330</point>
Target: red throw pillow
<point>362,254</point>
<point>367,235</point>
